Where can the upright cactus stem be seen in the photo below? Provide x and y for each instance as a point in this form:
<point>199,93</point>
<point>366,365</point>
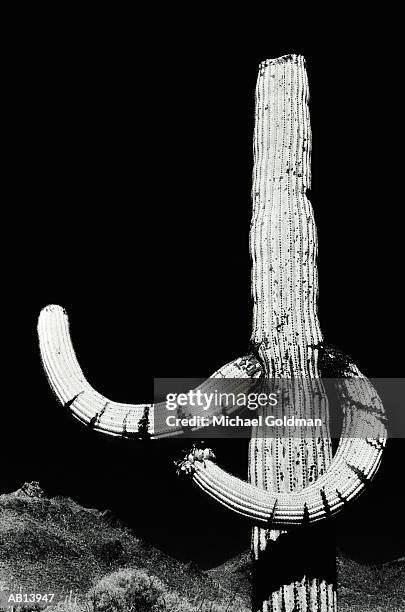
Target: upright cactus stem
<point>286,330</point>
<point>294,483</point>
<point>283,240</point>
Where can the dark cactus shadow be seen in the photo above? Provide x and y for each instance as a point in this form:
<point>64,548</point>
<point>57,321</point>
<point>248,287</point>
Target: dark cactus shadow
<point>305,552</point>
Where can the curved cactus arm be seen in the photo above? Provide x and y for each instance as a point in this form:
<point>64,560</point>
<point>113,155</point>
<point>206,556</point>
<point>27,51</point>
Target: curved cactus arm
<point>67,380</point>
<point>352,468</point>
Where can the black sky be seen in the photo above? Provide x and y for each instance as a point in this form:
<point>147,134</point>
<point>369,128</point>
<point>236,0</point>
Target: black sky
<point>132,210</point>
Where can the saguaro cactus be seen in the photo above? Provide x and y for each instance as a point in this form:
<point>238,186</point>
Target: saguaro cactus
<point>294,481</point>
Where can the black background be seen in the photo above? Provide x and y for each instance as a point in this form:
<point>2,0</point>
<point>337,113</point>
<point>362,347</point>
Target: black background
<point>131,209</point>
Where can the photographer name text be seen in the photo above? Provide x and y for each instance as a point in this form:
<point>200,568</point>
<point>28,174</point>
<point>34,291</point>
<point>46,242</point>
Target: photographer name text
<point>227,421</point>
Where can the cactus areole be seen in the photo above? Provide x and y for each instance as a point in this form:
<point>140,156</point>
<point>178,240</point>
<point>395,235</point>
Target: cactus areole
<point>293,482</point>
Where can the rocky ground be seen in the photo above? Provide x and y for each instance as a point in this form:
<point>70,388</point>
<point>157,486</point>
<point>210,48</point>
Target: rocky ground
<point>56,546</point>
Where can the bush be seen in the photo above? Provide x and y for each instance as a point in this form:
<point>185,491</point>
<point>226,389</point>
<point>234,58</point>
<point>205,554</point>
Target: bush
<point>129,591</point>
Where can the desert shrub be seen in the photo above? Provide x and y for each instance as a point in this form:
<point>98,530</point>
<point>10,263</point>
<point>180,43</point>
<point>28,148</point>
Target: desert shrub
<point>129,591</point>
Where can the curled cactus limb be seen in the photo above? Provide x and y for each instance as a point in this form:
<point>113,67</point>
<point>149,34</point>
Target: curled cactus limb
<point>127,420</point>
<point>352,468</point>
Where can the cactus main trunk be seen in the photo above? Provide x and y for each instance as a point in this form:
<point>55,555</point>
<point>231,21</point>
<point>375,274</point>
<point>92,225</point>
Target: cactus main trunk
<point>292,571</point>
